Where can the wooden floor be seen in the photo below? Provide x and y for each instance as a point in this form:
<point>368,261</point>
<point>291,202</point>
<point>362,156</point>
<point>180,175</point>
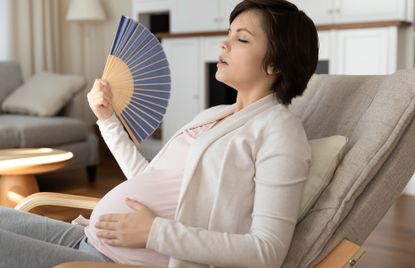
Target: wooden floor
<point>392,243</point>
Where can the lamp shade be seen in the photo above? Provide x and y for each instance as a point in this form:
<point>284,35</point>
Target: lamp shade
<point>85,10</point>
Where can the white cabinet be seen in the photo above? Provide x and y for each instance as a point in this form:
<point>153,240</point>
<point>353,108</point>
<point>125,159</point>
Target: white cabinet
<point>369,10</point>
<point>327,51</point>
<point>183,57</point>
<point>360,51</point>
<point>188,59</point>
<point>320,11</point>
<point>151,6</point>
<point>366,51</point>
<point>201,15</point>
<point>346,11</point>
<point>195,16</point>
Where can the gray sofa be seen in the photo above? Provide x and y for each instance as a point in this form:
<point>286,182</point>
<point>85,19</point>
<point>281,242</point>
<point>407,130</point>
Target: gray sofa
<point>60,131</point>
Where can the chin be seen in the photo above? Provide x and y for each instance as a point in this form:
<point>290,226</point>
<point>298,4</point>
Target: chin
<point>221,79</point>
<point>218,76</point>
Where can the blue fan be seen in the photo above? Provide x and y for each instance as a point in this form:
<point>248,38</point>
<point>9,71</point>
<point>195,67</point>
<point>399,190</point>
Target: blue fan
<point>139,75</point>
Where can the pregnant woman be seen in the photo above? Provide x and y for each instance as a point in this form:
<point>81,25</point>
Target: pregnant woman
<point>224,191</point>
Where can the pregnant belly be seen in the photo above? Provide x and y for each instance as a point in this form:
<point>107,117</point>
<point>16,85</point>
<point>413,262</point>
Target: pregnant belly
<point>157,189</point>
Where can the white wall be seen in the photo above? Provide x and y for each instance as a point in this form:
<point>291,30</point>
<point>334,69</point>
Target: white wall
<point>4,30</point>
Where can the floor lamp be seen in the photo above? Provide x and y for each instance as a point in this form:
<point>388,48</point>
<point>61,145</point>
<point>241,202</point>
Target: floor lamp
<point>85,12</point>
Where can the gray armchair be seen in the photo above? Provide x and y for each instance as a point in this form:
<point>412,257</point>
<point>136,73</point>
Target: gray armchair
<point>376,113</point>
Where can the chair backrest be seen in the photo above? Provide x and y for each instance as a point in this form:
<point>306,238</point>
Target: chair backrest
<point>376,113</point>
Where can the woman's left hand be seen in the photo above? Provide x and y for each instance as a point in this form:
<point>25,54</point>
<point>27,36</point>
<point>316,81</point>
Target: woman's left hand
<point>127,229</point>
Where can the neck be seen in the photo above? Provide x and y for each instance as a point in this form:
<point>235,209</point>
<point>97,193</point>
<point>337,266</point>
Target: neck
<point>244,99</point>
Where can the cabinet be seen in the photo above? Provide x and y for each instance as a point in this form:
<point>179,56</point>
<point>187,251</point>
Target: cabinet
<point>188,59</point>
<point>151,6</point>
<point>366,51</point>
<point>346,11</point>
<point>183,57</point>
<point>201,15</point>
<point>362,51</point>
<point>320,11</point>
<point>367,10</point>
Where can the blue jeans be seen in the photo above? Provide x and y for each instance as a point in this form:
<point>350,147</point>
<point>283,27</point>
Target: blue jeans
<point>30,240</point>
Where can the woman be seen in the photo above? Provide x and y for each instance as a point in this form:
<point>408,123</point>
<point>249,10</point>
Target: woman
<point>226,188</point>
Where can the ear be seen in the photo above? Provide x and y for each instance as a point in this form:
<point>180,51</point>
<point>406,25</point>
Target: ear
<point>272,71</point>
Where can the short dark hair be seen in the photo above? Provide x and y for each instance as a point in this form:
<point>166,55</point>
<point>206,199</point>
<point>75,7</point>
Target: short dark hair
<point>292,45</point>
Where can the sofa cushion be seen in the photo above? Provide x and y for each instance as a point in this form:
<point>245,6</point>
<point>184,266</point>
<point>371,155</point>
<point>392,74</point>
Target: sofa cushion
<point>40,131</point>
<point>9,137</point>
<point>10,78</point>
<point>45,94</point>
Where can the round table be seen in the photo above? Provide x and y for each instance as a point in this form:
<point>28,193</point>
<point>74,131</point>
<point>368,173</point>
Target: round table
<point>17,169</point>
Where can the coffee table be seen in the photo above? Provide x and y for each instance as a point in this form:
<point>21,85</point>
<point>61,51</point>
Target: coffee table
<point>18,167</point>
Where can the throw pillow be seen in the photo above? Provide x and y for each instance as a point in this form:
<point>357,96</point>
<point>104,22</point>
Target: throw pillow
<point>326,155</point>
<point>45,94</point>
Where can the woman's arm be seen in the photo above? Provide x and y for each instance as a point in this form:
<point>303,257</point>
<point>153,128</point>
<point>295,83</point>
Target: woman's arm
<point>130,160</point>
<point>281,169</point>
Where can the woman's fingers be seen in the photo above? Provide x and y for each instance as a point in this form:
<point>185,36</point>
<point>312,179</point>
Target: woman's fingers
<point>99,103</point>
<point>102,88</point>
<point>100,99</point>
<point>111,217</point>
<point>106,225</point>
<point>107,234</point>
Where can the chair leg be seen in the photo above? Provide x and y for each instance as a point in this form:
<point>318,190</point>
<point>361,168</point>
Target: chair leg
<point>92,173</point>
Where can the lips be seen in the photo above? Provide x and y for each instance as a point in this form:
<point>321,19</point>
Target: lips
<point>222,60</point>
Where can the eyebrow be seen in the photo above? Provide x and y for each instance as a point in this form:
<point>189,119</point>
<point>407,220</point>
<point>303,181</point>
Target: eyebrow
<point>242,29</point>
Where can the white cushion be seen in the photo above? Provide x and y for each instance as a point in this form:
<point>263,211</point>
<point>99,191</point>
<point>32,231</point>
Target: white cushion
<point>326,155</point>
<point>45,94</point>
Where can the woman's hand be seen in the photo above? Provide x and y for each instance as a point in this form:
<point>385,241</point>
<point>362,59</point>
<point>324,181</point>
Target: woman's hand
<point>100,99</point>
<point>127,229</point>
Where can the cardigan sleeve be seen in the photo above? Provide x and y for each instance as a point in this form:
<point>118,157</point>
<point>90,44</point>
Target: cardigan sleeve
<point>281,168</point>
<point>130,160</point>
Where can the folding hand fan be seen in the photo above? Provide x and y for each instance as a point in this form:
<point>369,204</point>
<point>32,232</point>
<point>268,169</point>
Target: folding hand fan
<point>139,75</point>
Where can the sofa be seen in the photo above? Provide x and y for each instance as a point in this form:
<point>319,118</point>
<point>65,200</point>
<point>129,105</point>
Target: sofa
<point>59,131</point>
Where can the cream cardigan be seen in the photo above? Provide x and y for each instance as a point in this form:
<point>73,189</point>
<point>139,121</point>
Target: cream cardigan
<point>241,188</point>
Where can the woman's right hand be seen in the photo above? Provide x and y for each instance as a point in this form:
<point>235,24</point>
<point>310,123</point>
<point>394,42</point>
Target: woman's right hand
<point>100,99</point>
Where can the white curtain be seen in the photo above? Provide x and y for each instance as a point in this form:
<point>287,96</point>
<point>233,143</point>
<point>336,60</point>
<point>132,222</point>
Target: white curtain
<point>5,53</point>
<point>35,38</point>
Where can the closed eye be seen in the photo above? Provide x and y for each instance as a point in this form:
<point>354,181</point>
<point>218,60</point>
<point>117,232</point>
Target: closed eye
<point>242,41</point>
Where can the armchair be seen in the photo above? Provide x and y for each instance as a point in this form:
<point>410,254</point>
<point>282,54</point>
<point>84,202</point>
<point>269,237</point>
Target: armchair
<point>376,113</point>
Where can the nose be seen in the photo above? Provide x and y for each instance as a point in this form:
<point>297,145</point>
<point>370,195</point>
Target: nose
<point>224,45</point>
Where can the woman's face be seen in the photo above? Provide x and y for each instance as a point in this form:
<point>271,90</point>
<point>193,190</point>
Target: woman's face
<point>240,62</point>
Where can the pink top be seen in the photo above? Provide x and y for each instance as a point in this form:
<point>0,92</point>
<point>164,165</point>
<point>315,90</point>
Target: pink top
<point>158,188</point>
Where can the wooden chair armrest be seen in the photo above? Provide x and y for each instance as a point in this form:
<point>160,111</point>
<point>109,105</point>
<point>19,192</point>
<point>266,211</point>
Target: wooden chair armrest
<point>56,199</point>
<point>84,264</point>
<point>345,255</point>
